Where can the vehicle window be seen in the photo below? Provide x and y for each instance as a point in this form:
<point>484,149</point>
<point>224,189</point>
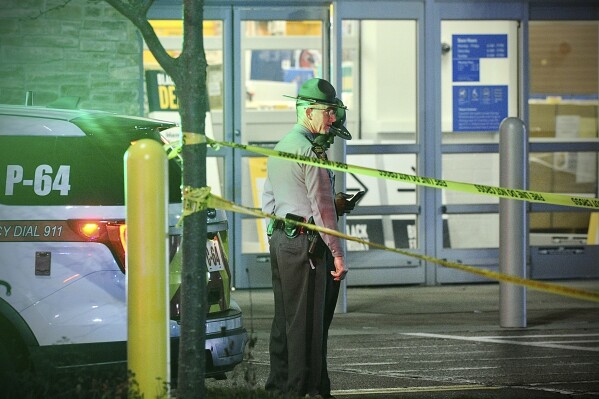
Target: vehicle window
<point>31,126</point>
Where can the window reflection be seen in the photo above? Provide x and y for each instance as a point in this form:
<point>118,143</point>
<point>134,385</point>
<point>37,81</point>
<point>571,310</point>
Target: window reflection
<point>160,89</point>
<point>379,68</point>
<point>277,57</point>
<point>275,65</point>
<point>161,94</point>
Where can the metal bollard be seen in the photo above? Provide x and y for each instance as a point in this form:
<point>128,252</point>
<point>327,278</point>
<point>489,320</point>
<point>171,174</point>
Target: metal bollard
<point>513,231</point>
<point>146,200</point>
<point>593,232</point>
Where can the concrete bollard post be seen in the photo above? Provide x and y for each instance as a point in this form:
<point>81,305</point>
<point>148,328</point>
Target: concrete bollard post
<point>146,200</point>
<point>513,231</point>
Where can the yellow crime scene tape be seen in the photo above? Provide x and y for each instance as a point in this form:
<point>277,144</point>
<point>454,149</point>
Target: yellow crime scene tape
<point>197,199</point>
<point>522,195</point>
<point>174,148</point>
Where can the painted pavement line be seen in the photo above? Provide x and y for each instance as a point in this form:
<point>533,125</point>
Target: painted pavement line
<point>579,341</point>
<point>541,336</point>
<point>503,341</point>
<point>438,388</point>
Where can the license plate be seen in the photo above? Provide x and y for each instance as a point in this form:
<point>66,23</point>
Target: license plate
<point>215,259</point>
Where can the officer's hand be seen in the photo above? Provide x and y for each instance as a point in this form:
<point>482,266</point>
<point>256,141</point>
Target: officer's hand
<point>342,204</point>
<point>340,268</point>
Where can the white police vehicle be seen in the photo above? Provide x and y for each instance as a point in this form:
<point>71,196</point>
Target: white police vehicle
<point>62,244</point>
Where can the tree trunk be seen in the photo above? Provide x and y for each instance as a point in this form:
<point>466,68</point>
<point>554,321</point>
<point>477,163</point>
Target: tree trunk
<point>191,92</point>
<point>189,74</point>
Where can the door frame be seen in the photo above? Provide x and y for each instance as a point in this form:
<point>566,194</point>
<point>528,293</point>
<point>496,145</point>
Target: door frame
<point>392,268</point>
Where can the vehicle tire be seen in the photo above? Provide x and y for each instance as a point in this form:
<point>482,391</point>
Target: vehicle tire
<point>6,366</point>
<point>13,356</point>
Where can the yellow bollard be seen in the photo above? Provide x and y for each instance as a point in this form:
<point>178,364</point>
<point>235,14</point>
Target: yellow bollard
<point>146,199</point>
<point>593,233</point>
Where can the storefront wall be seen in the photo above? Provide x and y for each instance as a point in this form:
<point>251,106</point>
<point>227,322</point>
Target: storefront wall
<point>414,75</point>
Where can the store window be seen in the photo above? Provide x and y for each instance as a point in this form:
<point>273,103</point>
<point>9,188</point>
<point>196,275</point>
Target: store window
<point>380,80</point>
<point>379,87</point>
<point>563,105</point>
<point>277,57</point>
<point>161,95</point>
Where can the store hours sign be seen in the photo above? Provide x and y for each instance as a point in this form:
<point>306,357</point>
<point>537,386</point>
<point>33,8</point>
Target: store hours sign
<point>468,50</point>
<point>477,107</point>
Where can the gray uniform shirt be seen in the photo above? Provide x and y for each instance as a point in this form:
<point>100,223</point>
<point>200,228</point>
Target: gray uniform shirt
<point>301,189</point>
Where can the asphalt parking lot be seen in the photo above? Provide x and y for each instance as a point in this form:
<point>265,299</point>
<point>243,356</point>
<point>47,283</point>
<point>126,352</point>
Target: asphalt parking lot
<point>445,342</point>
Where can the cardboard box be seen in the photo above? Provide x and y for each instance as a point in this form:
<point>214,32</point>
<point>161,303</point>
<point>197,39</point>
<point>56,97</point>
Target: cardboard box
<point>582,110</point>
<point>540,179</point>
<point>540,222</point>
<point>545,176</point>
<point>570,222</point>
<point>542,120</point>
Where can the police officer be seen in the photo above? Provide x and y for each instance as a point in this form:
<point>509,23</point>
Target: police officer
<point>301,192</point>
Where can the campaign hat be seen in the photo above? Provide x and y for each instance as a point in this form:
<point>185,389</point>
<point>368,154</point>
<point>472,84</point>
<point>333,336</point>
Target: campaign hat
<point>317,91</point>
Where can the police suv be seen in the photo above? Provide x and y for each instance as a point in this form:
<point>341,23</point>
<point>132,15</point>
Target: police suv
<point>63,244</point>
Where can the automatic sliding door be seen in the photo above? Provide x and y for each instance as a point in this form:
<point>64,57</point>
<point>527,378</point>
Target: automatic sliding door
<point>480,86</point>
<point>379,73</point>
<point>380,70</point>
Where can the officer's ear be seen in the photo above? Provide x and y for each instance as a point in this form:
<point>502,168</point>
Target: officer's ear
<point>309,112</point>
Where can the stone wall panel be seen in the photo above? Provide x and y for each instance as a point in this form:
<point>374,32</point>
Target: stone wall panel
<point>83,48</point>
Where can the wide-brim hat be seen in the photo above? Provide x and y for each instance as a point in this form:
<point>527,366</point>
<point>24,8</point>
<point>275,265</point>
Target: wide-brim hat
<point>338,127</point>
<point>317,91</point>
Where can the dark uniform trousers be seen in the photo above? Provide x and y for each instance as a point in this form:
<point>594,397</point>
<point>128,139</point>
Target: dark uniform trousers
<point>330,303</point>
<point>296,340</point>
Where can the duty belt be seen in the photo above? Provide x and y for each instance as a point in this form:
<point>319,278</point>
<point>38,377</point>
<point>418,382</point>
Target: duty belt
<point>280,225</point>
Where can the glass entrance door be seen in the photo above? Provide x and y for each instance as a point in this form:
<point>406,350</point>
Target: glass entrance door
<point>378,58</point>
<point>480,61</point>
<point>278,49</point>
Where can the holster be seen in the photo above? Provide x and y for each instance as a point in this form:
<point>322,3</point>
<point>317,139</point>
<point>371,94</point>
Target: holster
<point>293,230</point>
